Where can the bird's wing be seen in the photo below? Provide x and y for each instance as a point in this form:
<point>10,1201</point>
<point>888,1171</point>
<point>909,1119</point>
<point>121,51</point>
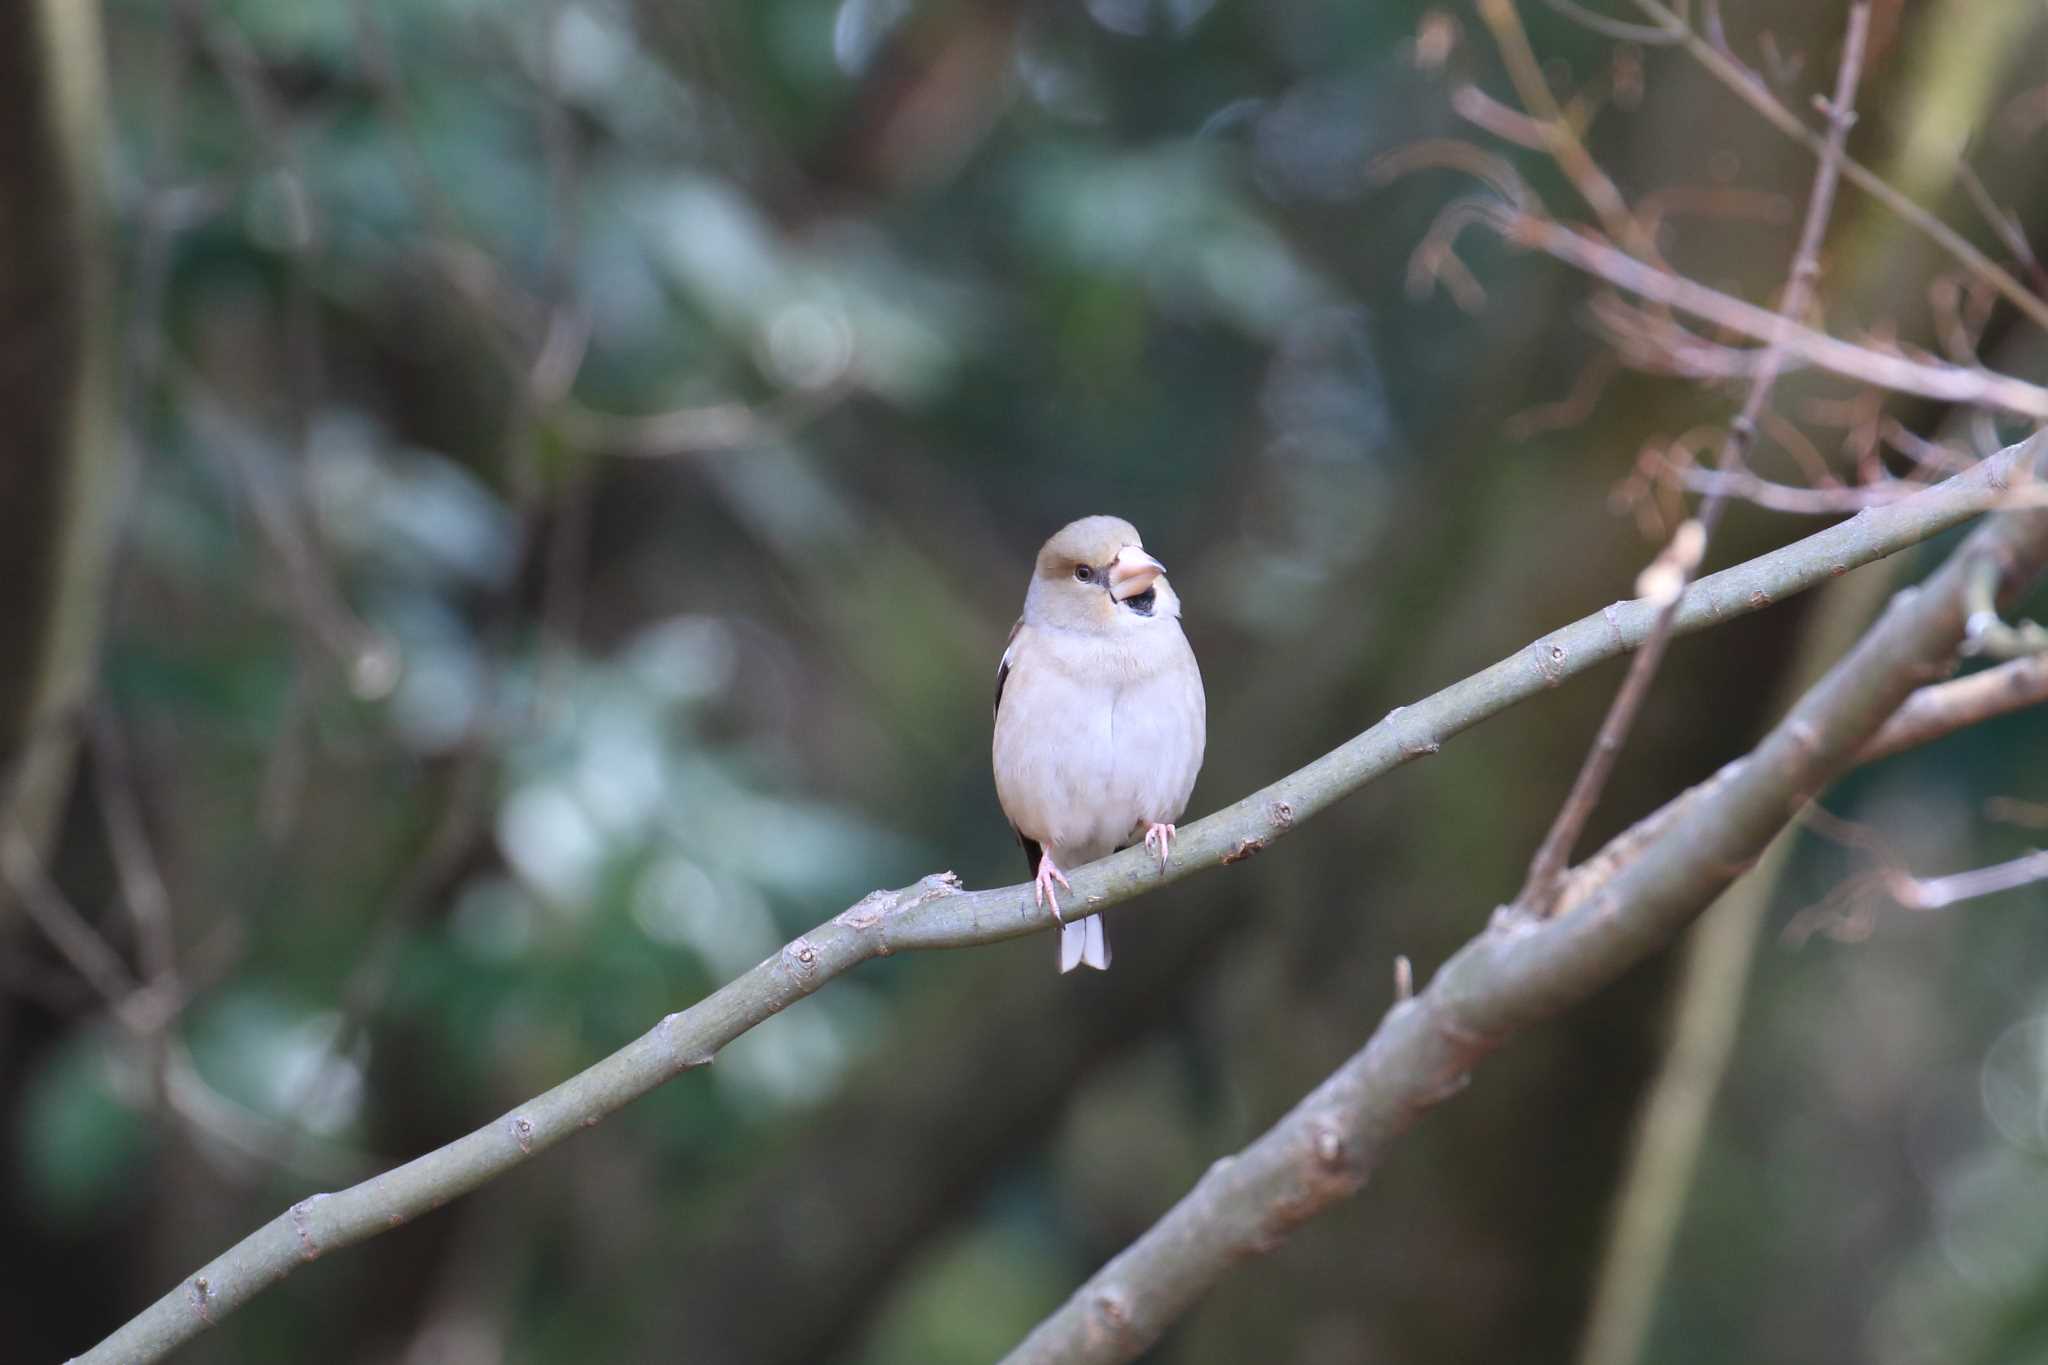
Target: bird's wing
<point>1002,677</point>
<point>1003,668</point>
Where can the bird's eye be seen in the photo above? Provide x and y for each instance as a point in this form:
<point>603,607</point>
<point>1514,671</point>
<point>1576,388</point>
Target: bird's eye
<point>1083,574</point>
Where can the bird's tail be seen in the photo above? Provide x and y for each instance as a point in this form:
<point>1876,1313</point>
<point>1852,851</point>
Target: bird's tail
<point>1082,941</point>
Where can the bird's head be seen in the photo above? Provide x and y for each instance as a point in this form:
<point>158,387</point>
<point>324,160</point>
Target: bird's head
<point>1095,575</point>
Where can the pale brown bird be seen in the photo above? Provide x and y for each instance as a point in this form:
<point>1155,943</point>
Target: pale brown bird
<point>1100,717</point>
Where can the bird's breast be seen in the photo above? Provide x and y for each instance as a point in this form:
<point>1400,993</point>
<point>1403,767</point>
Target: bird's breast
<point>1092,747</point>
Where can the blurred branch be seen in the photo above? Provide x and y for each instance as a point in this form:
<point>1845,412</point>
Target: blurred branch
<point>262,114</point>
<point>1845,912</point>
<point>369,659</point>
<point>144,1011</point>
<point>1988,634</point>
<point>1925,378</point>
<point>2006,224</point>
<point>1625,902</point>
<point>1559,138</point>
<point>275,491</point>
<point>1687,550</point>
<point>143,891</point>
<point>1649,35</point>
<point>705,429</point>
<point>1753,91</point>
<point>67,930</point>
<point>1944,708</point>
<point>1793,498</point>
<point>539,341</point>
<point>1938,893</point>
<point>56,386</point>
<point>135,863</point>
<point>935,913</point>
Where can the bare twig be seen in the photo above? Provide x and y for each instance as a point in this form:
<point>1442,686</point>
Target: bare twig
<point>1927,379</point>
<point>1560,138</point>
<point>1988,634</point>
<point>369,658</point>
<point>142,890</point>
<point>135,864</point>
<point>1845,912</point>
<point>934,914</point>
<point>1744,486</point>
<point>1556,848</point>
<point>706,429</point>
<point>1572,409</point>
<point>1715,57</point>
<point>1649,35</point>
<point>241,69</point>
<point>66,929</point>
<point>1939,893</point>
<point>144,1011</point>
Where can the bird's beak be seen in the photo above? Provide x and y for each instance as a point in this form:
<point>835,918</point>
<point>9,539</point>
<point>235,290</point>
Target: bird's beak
<point>1132,572</point>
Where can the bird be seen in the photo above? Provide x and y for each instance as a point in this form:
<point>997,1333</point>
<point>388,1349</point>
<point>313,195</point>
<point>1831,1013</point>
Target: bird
<point>1100,718</point>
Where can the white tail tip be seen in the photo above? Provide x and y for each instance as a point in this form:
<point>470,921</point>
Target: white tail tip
<point>1083,943</point>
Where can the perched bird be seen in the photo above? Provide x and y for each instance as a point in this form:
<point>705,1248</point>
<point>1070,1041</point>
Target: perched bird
<point>1100,718</point>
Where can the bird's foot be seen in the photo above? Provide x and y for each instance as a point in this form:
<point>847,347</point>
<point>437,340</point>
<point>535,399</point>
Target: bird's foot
<point>1048,873</point>
<point>1159,838</point>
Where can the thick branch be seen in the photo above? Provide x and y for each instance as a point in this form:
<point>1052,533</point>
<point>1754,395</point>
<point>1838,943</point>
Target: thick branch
<point>1629,900</point>
<point>934,913</point>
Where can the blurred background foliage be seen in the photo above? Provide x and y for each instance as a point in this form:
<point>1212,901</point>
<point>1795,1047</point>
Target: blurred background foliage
<point>581,460</point>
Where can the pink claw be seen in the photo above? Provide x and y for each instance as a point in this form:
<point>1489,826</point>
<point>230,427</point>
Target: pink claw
<point>1163,835</point>
<point>1048,873</point>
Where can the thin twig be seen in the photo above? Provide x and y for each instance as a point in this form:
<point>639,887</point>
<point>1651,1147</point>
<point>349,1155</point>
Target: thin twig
<point>66,929</point>
<point>369,658</point>
<point>135,864</point>
<point>1844,912</point>
<point>142,891</point>
<point>1744,486</point>
<point>1927,379</point>
<point>1649,35</point>
<point>1758,96</point>
<point>144,1012</point>
<point>1555,851</point>
<point>1938,893</point>
<point>1560,138</point>
<point>705,429</point>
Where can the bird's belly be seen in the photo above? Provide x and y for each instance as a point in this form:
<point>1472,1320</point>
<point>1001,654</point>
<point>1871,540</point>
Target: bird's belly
<point>1099,765</point>
<point>1156,747</point>
<point>1054,767</point>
